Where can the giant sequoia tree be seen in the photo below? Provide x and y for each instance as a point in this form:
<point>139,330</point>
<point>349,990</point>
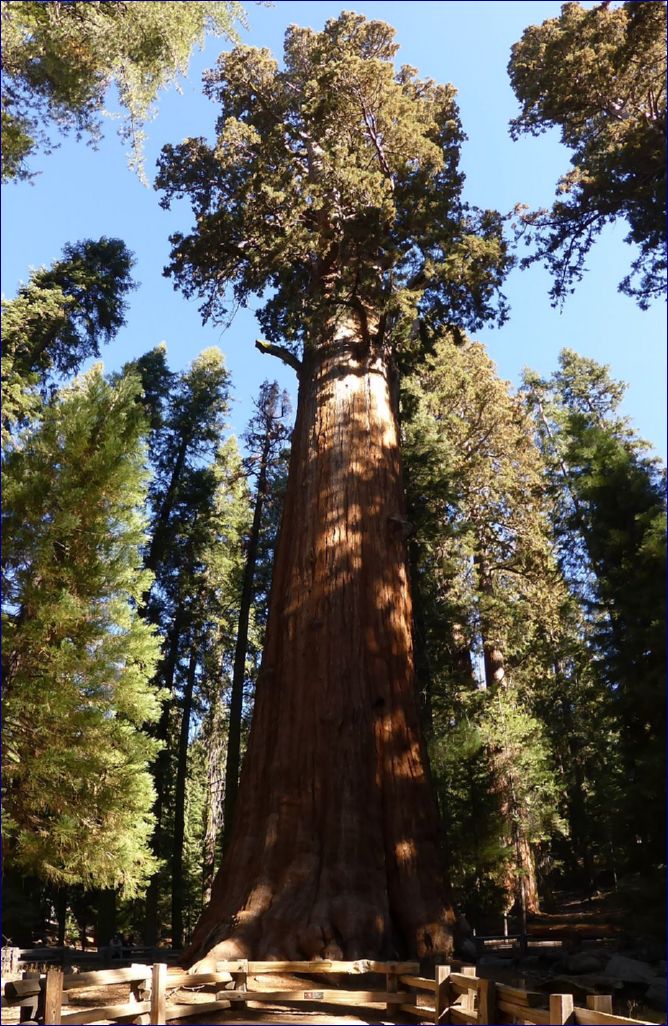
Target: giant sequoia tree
<point>335,184</point>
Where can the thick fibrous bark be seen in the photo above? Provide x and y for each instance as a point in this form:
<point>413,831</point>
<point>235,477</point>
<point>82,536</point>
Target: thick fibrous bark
<point>334,851</point>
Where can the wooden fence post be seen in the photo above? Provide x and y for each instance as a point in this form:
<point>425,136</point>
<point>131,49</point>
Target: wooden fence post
<point>391,985</point>
<point>240,982</point>
<point>600,1002</point>
<point>28,1011</point>
<point>442,995</point>
<point>53,997</point>
<point>561,1008</point>
<point>468,999</point>
<point>158,994</point>
<point>140,991</point>
<point>486,1002</point>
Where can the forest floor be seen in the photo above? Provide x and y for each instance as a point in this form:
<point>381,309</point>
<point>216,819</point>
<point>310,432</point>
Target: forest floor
<point>634,910</point>
<point>629,921</point>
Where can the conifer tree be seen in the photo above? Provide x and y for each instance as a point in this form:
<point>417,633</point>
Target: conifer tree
<point>265,439</point>
<point>335,183</point>
<point>77,658</point>
<point>214,584</point>
<point>610,528</point>
<point>199,512</point>
<point>490,599</point>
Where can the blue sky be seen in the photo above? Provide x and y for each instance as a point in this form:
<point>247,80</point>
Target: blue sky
<point>85,193</point>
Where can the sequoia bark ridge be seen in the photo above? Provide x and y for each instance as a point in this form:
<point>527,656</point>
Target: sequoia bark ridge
<point>334,850</point>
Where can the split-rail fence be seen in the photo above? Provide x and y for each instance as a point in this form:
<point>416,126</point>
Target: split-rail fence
<point>452,996</point>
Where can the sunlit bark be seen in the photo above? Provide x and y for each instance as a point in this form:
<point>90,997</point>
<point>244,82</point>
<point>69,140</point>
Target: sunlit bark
<point>334,849</point>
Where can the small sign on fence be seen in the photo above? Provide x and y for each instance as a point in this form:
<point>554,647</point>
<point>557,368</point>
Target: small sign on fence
<point>314,995</point>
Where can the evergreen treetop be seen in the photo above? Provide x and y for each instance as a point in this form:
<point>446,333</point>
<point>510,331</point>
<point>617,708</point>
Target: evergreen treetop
<point>336,184</point>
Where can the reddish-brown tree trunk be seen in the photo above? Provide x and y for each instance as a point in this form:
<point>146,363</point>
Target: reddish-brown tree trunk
<point>334,850</point>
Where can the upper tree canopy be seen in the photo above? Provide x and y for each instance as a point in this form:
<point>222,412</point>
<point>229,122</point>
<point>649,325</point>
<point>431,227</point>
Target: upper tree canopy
<point>335,183</point>
<point>59,59</point>
<point>599,75</point>
<point>59,319</point>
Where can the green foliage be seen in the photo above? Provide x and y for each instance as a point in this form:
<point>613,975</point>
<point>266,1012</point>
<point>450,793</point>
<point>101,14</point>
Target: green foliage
<point>599,74</point>
<point>471,816</point>
<point>334,183</point>
<point>60,319</point>
<point>195,817</point>
<point>489,598</point>
<point>477,494</point>
<point>77,658</point>
<point>610,521</point>
<point>516,742</point>
<point>200,513</point>
<point>267,443</point>
<point>59,60</point>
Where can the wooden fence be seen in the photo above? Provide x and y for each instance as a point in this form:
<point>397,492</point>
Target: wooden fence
<point>451,997</point>
<point>513,945</point>
<point>462,997</point>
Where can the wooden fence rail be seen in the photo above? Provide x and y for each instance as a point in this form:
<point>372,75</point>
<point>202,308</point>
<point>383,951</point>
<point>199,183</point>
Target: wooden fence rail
<point>462,997</point>
<point>455,995</point>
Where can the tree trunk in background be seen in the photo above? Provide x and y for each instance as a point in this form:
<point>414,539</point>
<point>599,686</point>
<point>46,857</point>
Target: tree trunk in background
<point>160,770</point>
<point>180,804</point>
<point>577,812</point>
<point>159,538</point>
<point>461,650</point>
<point>520,883</point>
<point>494,660</point>
<point>239,671</point>
<point>105,926</point>
<point>61,915</point>
<point>214,801</point>
<point>527,886</point>
<point>334,850</point>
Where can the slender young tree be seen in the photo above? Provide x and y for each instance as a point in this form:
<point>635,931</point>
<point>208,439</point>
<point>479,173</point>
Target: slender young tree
<point>265,438</point>
<point>610,527</point>
<point>212,589</point>
<point>492,595</point>
<point>335,182</point>
<point>187,413</point>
